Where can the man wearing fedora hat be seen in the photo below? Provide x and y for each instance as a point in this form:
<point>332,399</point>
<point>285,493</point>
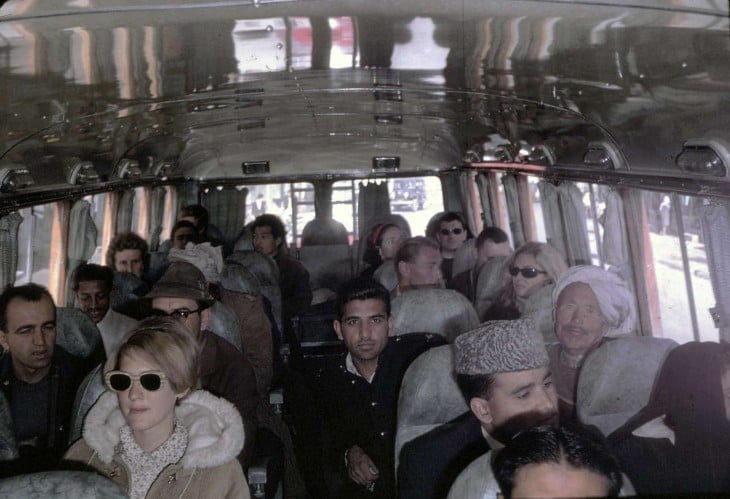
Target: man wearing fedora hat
<point>182,293</point>
<point>502,369</point>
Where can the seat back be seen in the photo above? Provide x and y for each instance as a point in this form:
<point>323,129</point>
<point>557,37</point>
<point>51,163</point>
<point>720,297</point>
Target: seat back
<point>266,272</point>
<point>87,394</point>
<point>323,231</point>
<point>329,265</point>
<point>488,284</point>
<point>61,485</point>
<point>465,257</point>
<point>429,395</point>
<point>438,311</point>
<point>387,275</point>
<point>8,446</point>
<point>224,323</point>
<point>77,333</point>
<point>617,378</point>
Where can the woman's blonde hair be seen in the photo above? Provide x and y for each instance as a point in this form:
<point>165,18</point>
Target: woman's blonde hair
<point>169,344</point>
<point>546,257</point>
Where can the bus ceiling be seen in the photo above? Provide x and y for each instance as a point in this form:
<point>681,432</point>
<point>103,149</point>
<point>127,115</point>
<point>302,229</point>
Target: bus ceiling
<point>130,92</point>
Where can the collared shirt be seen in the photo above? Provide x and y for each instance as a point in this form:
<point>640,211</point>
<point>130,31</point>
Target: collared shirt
<point>350,366</point>
<point>113,326</point>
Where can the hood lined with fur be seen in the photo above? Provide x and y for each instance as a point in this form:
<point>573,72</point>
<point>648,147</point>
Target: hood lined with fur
<point>215,429</point>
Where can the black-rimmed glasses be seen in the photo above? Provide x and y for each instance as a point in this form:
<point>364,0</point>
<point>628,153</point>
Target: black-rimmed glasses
<point>179,313</point>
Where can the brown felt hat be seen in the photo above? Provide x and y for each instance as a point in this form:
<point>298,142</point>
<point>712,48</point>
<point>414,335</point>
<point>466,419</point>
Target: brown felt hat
<point>182,280</point>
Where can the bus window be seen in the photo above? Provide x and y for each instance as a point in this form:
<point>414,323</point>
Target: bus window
<point>344,205</point>
<point>594,202</point>
<point>140,212</point>
<point>682,273</point>
<point>34,243</point>
<point>292,203</point>
<point>417,199</point>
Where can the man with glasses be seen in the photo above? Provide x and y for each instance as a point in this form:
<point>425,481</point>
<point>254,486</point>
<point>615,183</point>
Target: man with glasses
<point>38,378</point>
<point>182,293</point>
<point>451,235</point>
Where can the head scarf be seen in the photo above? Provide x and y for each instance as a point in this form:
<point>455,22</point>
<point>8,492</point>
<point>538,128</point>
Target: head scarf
<point>206,257</point>
<point>616,301</point>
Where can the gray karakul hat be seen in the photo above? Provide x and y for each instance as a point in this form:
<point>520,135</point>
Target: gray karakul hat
<point>500,347</point>
<point>182,280</point>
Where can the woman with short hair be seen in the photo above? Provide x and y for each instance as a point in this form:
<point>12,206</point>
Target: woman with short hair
<point>152,432</point>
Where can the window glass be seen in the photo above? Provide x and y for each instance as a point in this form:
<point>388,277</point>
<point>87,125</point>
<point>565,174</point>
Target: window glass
<point>344,205</point>
<point>34,243</point>
<point>539,220</point>
<point>417,199</point>
<point>140,204</point>
<point>674,297</point>
<point>594,202</point>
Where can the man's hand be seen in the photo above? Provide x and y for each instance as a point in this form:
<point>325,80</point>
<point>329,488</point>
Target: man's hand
<point>360,467</point>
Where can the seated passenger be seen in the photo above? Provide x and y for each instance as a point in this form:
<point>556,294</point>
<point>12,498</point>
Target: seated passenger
<point>418,262</point>
<point>491,243</point>
<point>528,279</point>
<point>383,243</point>
<point>589,303</point>
<point>451,234</point>
<point>182,293</point>
<point>296,294</point>
<point>38,378</point>
<point>93,286</point>
<point>152,432</point>
<point>502,371</point>
<point>557,462</point>
<point>198,216</point>
<point>358,397</point>
<point>182,233</point>
<point>680,442</point>
<point>128,252</point>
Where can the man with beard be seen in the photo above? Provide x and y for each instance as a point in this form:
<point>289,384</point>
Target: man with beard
<point>502,371</point>
<point>358,397</point>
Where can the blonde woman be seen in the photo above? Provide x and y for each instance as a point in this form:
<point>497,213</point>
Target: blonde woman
<point>528,279</point>
<point>152,433</point>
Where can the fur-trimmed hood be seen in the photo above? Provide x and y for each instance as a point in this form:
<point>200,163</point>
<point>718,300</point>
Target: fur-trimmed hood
<point>215,429</point>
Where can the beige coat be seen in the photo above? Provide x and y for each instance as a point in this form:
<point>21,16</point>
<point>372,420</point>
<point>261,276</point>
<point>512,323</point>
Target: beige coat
<point>208,468</point>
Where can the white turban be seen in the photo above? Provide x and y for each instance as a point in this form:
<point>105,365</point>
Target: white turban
<point>616,301</point>
<point>208,258</point>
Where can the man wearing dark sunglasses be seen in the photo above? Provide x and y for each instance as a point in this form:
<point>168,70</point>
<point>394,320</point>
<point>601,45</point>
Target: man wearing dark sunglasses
<point>182,293</point>
<point>451,235</point>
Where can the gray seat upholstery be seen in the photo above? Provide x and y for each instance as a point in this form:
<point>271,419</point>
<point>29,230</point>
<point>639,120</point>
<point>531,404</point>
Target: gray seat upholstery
<point>429,395</point>
<point>329,265</point>
<point>465,257</point>
<point>488,285</point>
<point>224,323</point>
<point>266,272</point>
<point>323,231</point>
<point>617,378</point>
<point>438,311</point>
<point>77,333</point>
<point>60,485</point>
<point>8,446</point>
<point>387,275</point>
<point>87,394</point>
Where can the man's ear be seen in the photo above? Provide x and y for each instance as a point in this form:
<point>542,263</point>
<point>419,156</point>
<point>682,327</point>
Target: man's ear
<point>278,241</point>
<point>403,269</point>
<point>204,319</point>
<point>480,408</point>
<point>338,329</point>
<point>390,325</point>
<point>4,341</point>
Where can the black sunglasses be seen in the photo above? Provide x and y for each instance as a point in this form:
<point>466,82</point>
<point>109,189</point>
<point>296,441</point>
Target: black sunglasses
<point>527,272</point>
<point>179,313</point>
<point>119,381</point>
<point>456,231</point>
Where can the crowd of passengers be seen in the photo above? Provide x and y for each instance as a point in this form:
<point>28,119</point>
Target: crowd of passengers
<point>184,347</point>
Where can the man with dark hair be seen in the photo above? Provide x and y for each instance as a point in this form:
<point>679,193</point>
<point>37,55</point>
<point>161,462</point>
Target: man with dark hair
<point>557,462</point>
<point>93,287</point>
<point>451,234</point>
<point>38,378</point>
<point>128,253</point>
<point>418,263</point>
<point>198,216</point>
<point>491,243</point>
<point>182,293</point>
<point>502,371</point>
<point>358,397</point>
<point>296,294</point>
<point>182,233</point>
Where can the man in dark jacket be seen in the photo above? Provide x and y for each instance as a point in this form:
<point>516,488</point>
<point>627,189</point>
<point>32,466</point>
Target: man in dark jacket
<point>182,293</point>
<point>38,378</point>
<point>359,396</point>
<point>502,370</point>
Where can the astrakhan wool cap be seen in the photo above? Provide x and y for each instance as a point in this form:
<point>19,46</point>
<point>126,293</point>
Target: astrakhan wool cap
<point>500,347</point>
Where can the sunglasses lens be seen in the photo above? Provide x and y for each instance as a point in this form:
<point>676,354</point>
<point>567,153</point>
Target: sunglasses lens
<point>529,273</point>
<point>457,231</point>
<point>150,382</point>
<point>513,271</point>
<point>119,382</point>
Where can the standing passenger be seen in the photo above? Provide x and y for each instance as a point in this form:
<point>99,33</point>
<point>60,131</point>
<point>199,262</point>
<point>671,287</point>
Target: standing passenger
<point>152,433</point>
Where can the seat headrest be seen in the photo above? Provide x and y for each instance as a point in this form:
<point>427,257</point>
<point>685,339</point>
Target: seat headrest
<point>238,278</point>
<point>617,378</point>
<point>438,311</point>
<point>76,332</point>
<point>76,484</point>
